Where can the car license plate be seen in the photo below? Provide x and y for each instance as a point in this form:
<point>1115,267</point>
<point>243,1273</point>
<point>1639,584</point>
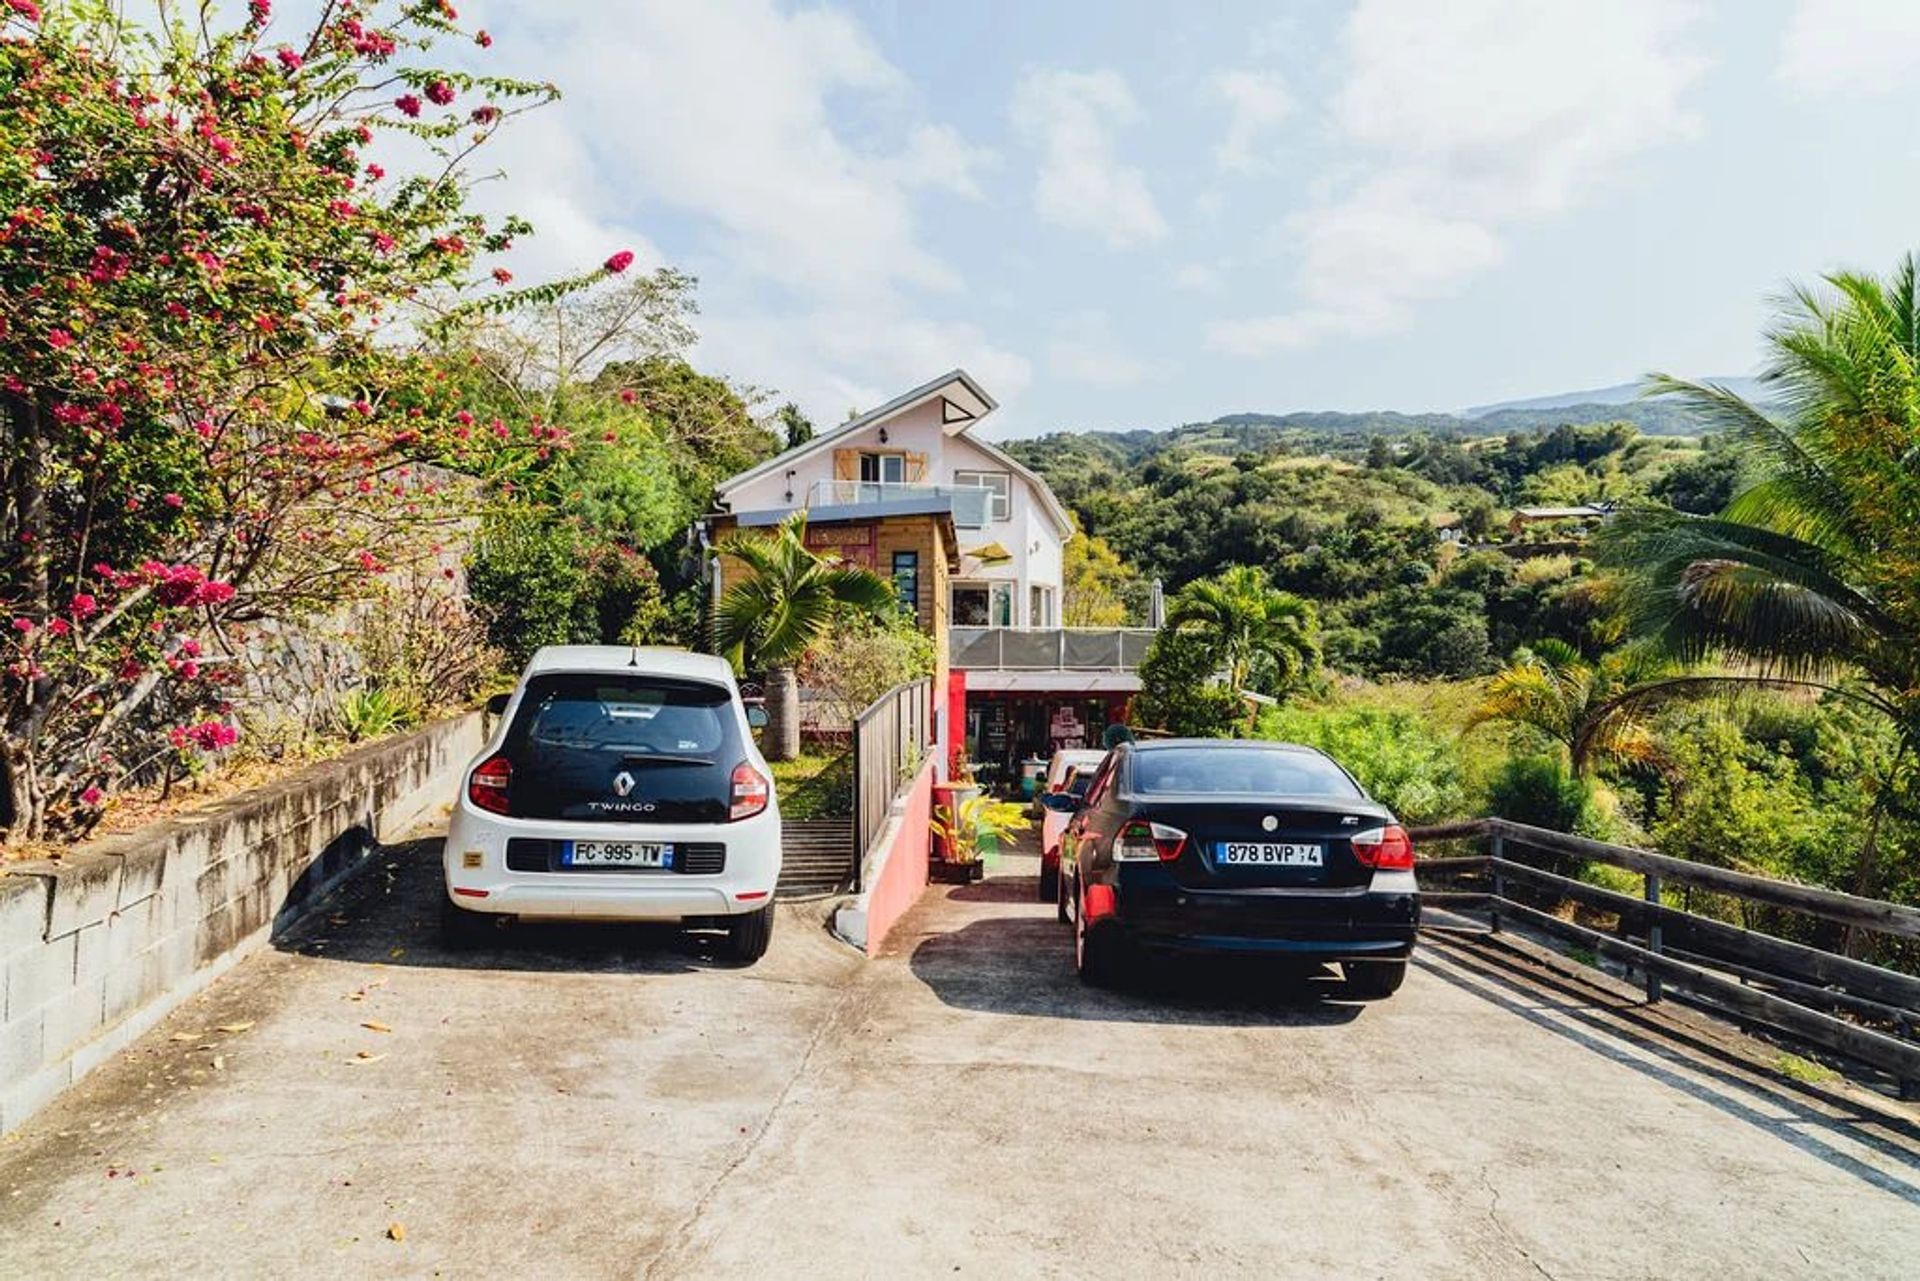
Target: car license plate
<point>1267,854</point>
<point>616,854</point>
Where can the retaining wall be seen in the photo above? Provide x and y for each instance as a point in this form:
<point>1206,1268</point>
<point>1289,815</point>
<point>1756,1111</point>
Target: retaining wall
<point>96,947</point>
<point>894,874</point>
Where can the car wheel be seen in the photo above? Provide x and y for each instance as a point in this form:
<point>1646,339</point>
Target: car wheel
<point>749,933</point>
<point>1374,980</point>
<point>1049,881</point>
<point>1096,952</point>
<point>461,930</point>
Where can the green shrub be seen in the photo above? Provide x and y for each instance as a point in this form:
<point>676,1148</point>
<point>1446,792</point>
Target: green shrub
<point>1398,756</point>
<point>1541,792</point>
<point>364,714</point>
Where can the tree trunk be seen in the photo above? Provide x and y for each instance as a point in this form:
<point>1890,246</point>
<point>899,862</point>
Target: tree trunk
<point>782,739</point>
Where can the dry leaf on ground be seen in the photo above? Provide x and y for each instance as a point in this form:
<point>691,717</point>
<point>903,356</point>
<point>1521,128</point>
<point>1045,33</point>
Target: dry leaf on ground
<point>397,1231</point>
<point>375,1025</point>
<point>235,1027</point>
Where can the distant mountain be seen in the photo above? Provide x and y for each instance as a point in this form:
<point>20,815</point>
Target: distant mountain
<point>1619,394</point>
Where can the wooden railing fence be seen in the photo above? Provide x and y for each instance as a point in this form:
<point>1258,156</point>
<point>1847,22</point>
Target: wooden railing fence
<point>1866,1011</point>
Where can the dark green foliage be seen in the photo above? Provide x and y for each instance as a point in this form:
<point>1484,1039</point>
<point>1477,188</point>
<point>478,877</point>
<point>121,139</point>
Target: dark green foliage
<point>1403,759</point>
<point>796,426</point>
<point>1703,485</point>
<point>1179,693</point>
<point>542,582</point>
<point>1542,792</point>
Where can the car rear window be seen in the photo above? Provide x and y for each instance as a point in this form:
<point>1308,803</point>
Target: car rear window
<point>1190,770</point>
<point>629,715</point>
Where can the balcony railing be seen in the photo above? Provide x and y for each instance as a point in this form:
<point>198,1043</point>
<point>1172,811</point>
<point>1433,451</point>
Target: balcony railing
<point>970,504</point>
<point>1049,649</point>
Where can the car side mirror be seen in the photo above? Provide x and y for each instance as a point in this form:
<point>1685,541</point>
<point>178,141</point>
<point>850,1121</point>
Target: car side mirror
<point>757,718</point>
<point>1062,802</point>
<point>497,704</point>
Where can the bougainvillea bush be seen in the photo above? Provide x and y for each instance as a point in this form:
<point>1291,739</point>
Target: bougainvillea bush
<point>211,298</point>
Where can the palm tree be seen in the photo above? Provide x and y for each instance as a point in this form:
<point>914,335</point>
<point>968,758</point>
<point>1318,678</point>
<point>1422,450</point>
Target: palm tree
<point>1551,688</point>
<point>1259,636</point>
<point>781,608</point>
<point>1811,575</point>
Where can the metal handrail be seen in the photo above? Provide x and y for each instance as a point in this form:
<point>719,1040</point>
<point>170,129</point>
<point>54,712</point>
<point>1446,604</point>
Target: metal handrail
<point>891,738</point>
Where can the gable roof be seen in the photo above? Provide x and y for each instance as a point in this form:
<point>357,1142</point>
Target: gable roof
<point>960,413</point>
<point>966,402</point>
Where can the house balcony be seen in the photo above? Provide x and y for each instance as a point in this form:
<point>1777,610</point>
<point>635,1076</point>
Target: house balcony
<point>1048,649</point>
<point>969,505</point>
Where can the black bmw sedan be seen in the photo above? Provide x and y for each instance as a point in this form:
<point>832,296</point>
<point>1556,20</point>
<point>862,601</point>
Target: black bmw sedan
<point>1215,846</point>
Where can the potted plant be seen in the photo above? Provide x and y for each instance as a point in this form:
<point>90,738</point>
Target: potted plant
<point>960,828</point>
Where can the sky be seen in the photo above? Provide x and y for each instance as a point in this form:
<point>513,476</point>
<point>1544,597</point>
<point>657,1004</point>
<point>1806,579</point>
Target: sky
<point>1117,214</point>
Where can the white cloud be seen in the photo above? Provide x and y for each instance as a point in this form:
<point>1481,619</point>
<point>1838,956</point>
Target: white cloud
<point>1477,114</point>
<point>937,156</point>
<point>1257,101</point>
<point>1073,117</point>
<point>1084,350</point>
<point>795,155</point>
<point>1199,277</point>
<point>1850,48</point>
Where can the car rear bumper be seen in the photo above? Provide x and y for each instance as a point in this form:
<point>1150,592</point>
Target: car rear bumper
<point>479,878</point>
<point>1377,922</point>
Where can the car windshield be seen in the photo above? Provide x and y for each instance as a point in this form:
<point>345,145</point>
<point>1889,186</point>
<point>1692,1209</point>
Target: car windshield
<point>631,715</point>
<point>1189,770</point>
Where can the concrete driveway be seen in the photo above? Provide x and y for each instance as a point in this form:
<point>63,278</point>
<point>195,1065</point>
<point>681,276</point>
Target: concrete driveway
<point>615,1102</point>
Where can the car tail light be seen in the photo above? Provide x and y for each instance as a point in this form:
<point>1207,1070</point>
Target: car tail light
<point>748,794</point>
<point>487,785</point>
<point>1388,848</point>
<point>1141,841</point>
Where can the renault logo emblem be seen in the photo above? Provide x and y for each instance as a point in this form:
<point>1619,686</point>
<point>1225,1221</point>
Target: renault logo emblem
<point>622,783</point>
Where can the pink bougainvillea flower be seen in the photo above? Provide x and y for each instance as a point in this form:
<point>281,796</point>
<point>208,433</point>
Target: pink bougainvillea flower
<point>92,797</point>
<point>59,339</point>
<point>409,104</point>
<point>26,9</point>
<point>83,605</point>
<point>58,626</point>
<point>485,115</point>
<point>289,59</point>
<point>627,396</point>
<point>440,93</point>
<point>24,626</point>
<point>501,276</point>
<point>258,10</point>
<point>375,173</point>
<point>619,262</point>
<point>173,500</point>
<point>482,39</point>
<point>464,418</point>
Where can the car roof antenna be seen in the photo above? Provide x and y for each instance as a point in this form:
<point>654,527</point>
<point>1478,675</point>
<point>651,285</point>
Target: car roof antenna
<point>635,660</point>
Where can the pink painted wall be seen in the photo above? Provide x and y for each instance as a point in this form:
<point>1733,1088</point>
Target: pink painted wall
<point>904,876</point>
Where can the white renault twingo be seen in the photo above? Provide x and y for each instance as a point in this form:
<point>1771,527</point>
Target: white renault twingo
<point>622,784</point>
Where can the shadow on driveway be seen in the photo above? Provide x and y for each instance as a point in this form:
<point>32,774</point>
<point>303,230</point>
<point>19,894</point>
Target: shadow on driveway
<point>390,913</point>
<point>1024,965</point>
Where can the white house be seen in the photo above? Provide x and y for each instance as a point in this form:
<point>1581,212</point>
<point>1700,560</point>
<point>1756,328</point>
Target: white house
<point>916,455</point>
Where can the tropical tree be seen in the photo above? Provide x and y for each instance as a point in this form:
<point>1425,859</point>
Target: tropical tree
<point>1811,574</point>
<point>783,605</point>
<point>1550,688</point>
<point>1260,638</point>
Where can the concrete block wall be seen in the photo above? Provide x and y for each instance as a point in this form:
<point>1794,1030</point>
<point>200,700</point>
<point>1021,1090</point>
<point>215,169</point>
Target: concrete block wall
<point>97,947</point>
